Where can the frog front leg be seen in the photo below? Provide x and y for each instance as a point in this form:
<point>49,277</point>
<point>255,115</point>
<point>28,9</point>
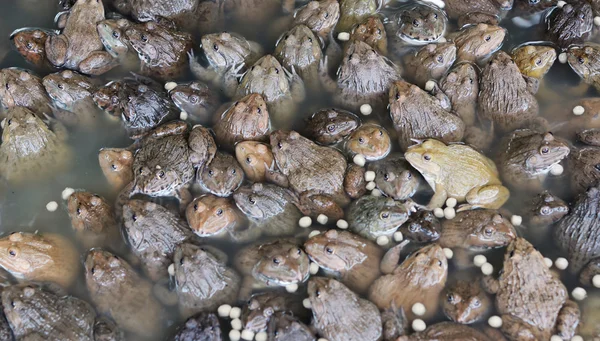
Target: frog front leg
<point>390,260</point>
<point>490,285</point>
<point>438,199</point>
<point>328,83</point>
<point>204,74</point>
<point>230,80</point>
<point>184,196</point>
<point>518,330</point>
<point>297,88</point>
<point>441,96</point>
<point>56,49</point>
<point>568,320</point>
<point>97,63</point>
<point>313,204</point>
<point>491,196</point>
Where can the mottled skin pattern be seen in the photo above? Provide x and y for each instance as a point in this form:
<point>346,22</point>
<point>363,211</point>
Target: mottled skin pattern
<point>320,16</point>
<point>300,50</point>
<point>478,41</point>
<point>477,230</point>
<point>457,8</point>
<point>353,12</point>
<point>34,313</point>
<point>339,314</point>
<point>372,217</point>
<point>286,327</point>
<point>246,119</point>
<point>418,24</point>
<point>261,307</point>
<point>202,281</point>
<point>570,24</point>
<point>430,62</point>
<point>532,302</point>
<point>585,61</point>
<point>330,126</point>
<point>201,327</point>
<point>372,32</point>
<point>30,43</point>
<point>119,292</point>
<point>461,85</point>
<point>465,302</point>
<point>92,219</point>
<point>394,177</point>
<point>20,87</point>
<point>370,140</point>
<point>421,227</point>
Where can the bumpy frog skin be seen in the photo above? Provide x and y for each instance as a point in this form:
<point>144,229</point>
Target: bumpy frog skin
<point>262,306</point>
<point>320,16</point>
<point>465,302</point>
<point>430,62</point>
<point>394,177</point>
<point>196,99</point>
<point>33,257</point>
<point>477,230</point>
<point>20,87</point>
<point>478,41</point>
<point>570,24</point>
<point>458,171</point>
<point>421,227</point>
<point>370,140</point>
<point>203,326</point>
<point>222,176</point>
<point>31,44</point>
<point>534,60</point>
<point>330,126</point>
<point>92,219</point>
<point>461,85</point>
<point>419,24</point>
<point>372,32</point>
<point>546,209</point>
<point>585,61</point>
<point>353,12</point>
<point>299,49</point>
<point>373,217</point>
<point>246,119</point>
<point>73,93</point>
<point>112,35</point>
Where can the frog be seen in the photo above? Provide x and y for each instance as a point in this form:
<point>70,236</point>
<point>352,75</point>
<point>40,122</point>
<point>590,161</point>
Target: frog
<point>222,176</point>
<point>353,259</point>
<point>261,307</point>
<point>35,312</point>
<point>353,12</point>
<point>331,125</point>
<point>371,31</point>
<point>465,302</point>
<point>272,210</point>
<point>226,53</point>
<point>421,277</point>
<point>93,219</point>
<point>164,164</point>
<point>461,85</point>
<point>283,90</point>
<point>300,50</point>
<point>458,8</point>
<point>394,177</point>
<point>589,326</point>
<point>163,52</point>
<point>479,185</point>
<point>416,24</point>
<point>256,12</point>
<point>152,232</point>
<point>431,61</point>
<point>5,331</point>
<point>285,326</point>
<point>112,36</point>
<point>515,106</point>
<point>340,314</point>
<point>369,140</point>
<point>421,227</point>
<point>355,184</point>
<point>117,290</point>
<point>35,257</point>
<point>447,331</point>
<point>21,87</point>
<point>213,216</point>
<point>201,327</point>
<point>202,281</point>
<point>320,16</point>
<point>73,94</point>
<point>570,24</point>
<point>373,217</point>
<point>475,18</point>
<point>246,119</point>
<point>255,158</point>
<point>475,42</point>
<point>584,59</point>
<point>79,47</point>
<point>531,301</point>
<point>364,77</point>
<point>196,99</point>
<point>30,42</point>
<point>477,230</point>
<point>526,157</point>
<point>534,60</point>
<point>545,209</point>
<point>31,149</point>
<point>117,166</point>
<point>418,115</point>
<point>278,262</point>
<point>584,168</point>
<point>590,137</point>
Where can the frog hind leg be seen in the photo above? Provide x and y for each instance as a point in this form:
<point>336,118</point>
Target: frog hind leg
<point>56,49</point>
<point>491,196</point>
<point>199,71</point>
<point>97,63</point>
<point>567,320</point>
<point>314,204</point>
<point>518,330</point>
<point>589,271</point>
<point>185,197</point>
<point>326,81</point>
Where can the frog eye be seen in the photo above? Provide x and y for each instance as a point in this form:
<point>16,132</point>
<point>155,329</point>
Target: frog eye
<point>544,150</point>
<point>220,212</point>
<point>29,46</point>
<point>195,207</point>
<point>434,15</point>
<point>580,60</point>
<point>13,252</point>
<point>60,86</point>
<point>488,232</point>
<point>475,303</point>
<point>380,132</point>
<point>116,34</point>
<point>258,110</point>
<point>78,210</point>
<point>440,59</point>
<point>113,166</point>
<point>416,22</point>
<point>9,122</point>
<point>210,172</point>
<point>141,171</point>
<point>470,80</point>
<point>331,128</point>
<point>144,38</point>
<point>488,38</point>
<point>329,251</point>
<point>413,227</point>
<point>134,217</point>
<point>279,145</point>
<point>114,99</point>
<point>545,210</point>
<point>194,99</point>
<point>248,160</point>
<point>161,174</point>
<point>326,15</point>
<point>397,96</point>
<point>538,62</point>
<point>93,270</point>
<point>361,140</point>
<point>450,298</point>
<point>276,261</point>
<point>386,177</point>
<point>318,293</point>
<point>426,157</point>
<point>378,31</point>
<point>597,166</point>
<point>233,171</point>
<point>310,40</point>
<point>384,215</point>
<point>216,47</point>
<point>251,200</point>
<point>439,263</point>
<point>277,70</point>
<point>582,16</point>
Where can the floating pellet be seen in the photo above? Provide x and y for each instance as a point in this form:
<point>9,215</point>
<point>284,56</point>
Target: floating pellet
<point>448,253</point>
<point>313,233</point>
<point>561,263</point>
<point>66,193</point>
<point>305,222</point>
<point>322,219</point>
<point>314,268</point>
<point>306,303</point>
<point>183,116</point>
<point>516,220</point>
<point>419,309</point>
<point>366,109</point>
<point>343,36</point>
<point>562,58</point>
<point>579,293</point>
<point>383,240</point>
<point>170,86</point>
<point>52,206</point>
<point>557,169</point>
<point>487,269</point>
<point>236,324</point>
<point>578,110</point>
<point>376,193</point>
<point>548,262</point>
<point>234,335</point>
<point>495,321</point>
<point>418,325</point>
<point>322,339</point>
<point>171,269</point>
<point>369,176</point>
<point>261,336</point>
<point>224,310</point>
<point>370,186</point>
<point>596,281</point>
<point>2,123</point>
<point>556,338</point>
<point>343,224</point>
<point>597,21</point>
<point>576,338</point>
<point>235,313</point>
<point>479,260</point>
<point>561,4</point>
<point>429,85</point>
<point>438,212</point>
<point>398,237</point>
<point>449,213</point>
<point>451,202</point>
<point>359,160</point>
<point>247,335</point>
<point>291,287</point>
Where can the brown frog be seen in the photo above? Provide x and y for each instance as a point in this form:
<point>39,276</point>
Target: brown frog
<point>546,209</point>
<point>477,230</point>
<point>32,257</point>
<point>162,51</point>
<point>275,263</point>
<point>112,35</point>
<point>475,18</point>
<point>31,45</point>
<point>196,99</point>
<point>394,177</point>
<point>117,166</point>
<point>447,331</point>
<point>299,49</point>
<point>203,327</point>
<point>458,8</point>
<point>20,87</point>
<point>432,61</point>
<point>222,176</point>
<point>287,327</point>
<point>226,54</point>
<point>373,217</point>
<point>534,60</point>
<point>465,302</point>
<point>79,47</point>
<point>475,42</point>
<point>202,281</point>
<point>255,158</point>
<point>73,94</point>
<point>570,24</point>
<point>421,227</point>
<point>246,119</point>
<point>31,149</point>
<point>532,302</point>
<point>355,184</point>
<point>331,126</point>
<point>118,291</point>
<point>590,137</point>
<point>419,278</point>
<point>256,12</point>
<point>339,314</point>
<point>93,219</point>
<point>526,157</point>
<point>504,97</point>
<point>418,115</point>
<point>261,307</point>
<point>37,313</point>
<point>353,12</point>
<point>152,233</point>
<point>417,24</point>
<point>584,168</point>
<point>212,216</point>
<point>461,85</point>
<point>364,77</point>
<point>320,16</point>
<point>584,60</point>
<point>369,140</point>
<point>372,32</point>
<point>355,260</point>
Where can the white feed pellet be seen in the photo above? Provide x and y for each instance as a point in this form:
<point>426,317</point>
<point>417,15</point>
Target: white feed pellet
<point>236,324</point>
<point>438,212</point>
<point>418,325</point>
<point>183,116</point>
<point>322,339</point>
<point>557,169</point>
<point>370,186</point>
<point>366,109</point>
<point>597,21</point>
<point>376,193</point>
<point>596,281</point>
<point>487,269</point>
<point>234,335</point>
<point>579,294</point>
<point>2,123</point>
<point>556,338</point>
<point>247,335</point>
<point>313,233</point>
<point>495,321</point>
<point>291,287</point>
<point>562,58</point>
<point>576,338</point>
<point>451,202</point>
<point>429,85</point>
<point>561,4</point>
<point>479,260</point>
<point>306,303</point>
<point>224,310</point>
<point>448,253</point>
<point>578,110</point>
<point>314,268</point>
<point>170,86</point>
<point>419,309</point>
<point>235,313</point>
<point>516,220</point>
<point>343,36</point>
<point>359,160</point>
<point>66,193</point>
<point>548,262</point>
<point>398,237</point>
<point>305,222</point>
<point>52,206</point>
<point>370,176</point>
<point>383,240</point>
<point>343,224</point>
<point>322,219</point>
<point>561,263</point>
<point>261,336</point>
<point>171,269</point>
<point>449,213</point>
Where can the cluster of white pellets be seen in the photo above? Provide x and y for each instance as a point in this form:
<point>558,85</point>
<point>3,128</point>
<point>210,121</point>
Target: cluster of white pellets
<point>481,262</point>
<point>449,212</point>
<point>52,206</point>
<point>237,333</point>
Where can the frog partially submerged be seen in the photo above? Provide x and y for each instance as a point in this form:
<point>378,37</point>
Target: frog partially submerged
<point>476,42</point>
<point>92,219</point>
<point>352,12</point>
<point>585,61</point>
<point>465,302</point>
<point>534,60</point>
<point>116,165</point>
<point>261,307</point>
<point>286,327</point>
<point>353,259</point>
<point>73,94</point>
<point>246,119</point>
<point>212,216</point>
<point>373,217</point>
<point>112,35</point>
<point>394,177</point>
<point>221,176</point>
<point>421,227</point>
<point>461,85</point>
<point>458,171</point>
<point>570,24</point>
<point>299,49</point>
<point>255,158</point>
<point>31,149</point>
<point>372,32</point>
<point>546,209</point>
<point>202,281</point>
<point>31,45</point>
<point>432,61</point>
<point>477,230</point>
<point>532,302</point>
<point>331,126</point>
<point>320,16</point>
<point>447,331</point>
<point>78,47</point>
<point>196,99</point>
<point>369,140</point>
<point>584,168</point>
<point>417,24</point>
<point>201,327</point>
<point>20,87</point>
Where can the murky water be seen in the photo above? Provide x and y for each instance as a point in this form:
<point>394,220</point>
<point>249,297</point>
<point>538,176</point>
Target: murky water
<point>23,208</point>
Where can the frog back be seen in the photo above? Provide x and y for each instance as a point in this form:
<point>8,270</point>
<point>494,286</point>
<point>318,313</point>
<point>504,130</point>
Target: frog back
<point>464,168</point>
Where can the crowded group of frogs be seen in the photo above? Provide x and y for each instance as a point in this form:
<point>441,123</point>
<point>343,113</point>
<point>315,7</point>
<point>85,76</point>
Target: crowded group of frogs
<point>327,168</point>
